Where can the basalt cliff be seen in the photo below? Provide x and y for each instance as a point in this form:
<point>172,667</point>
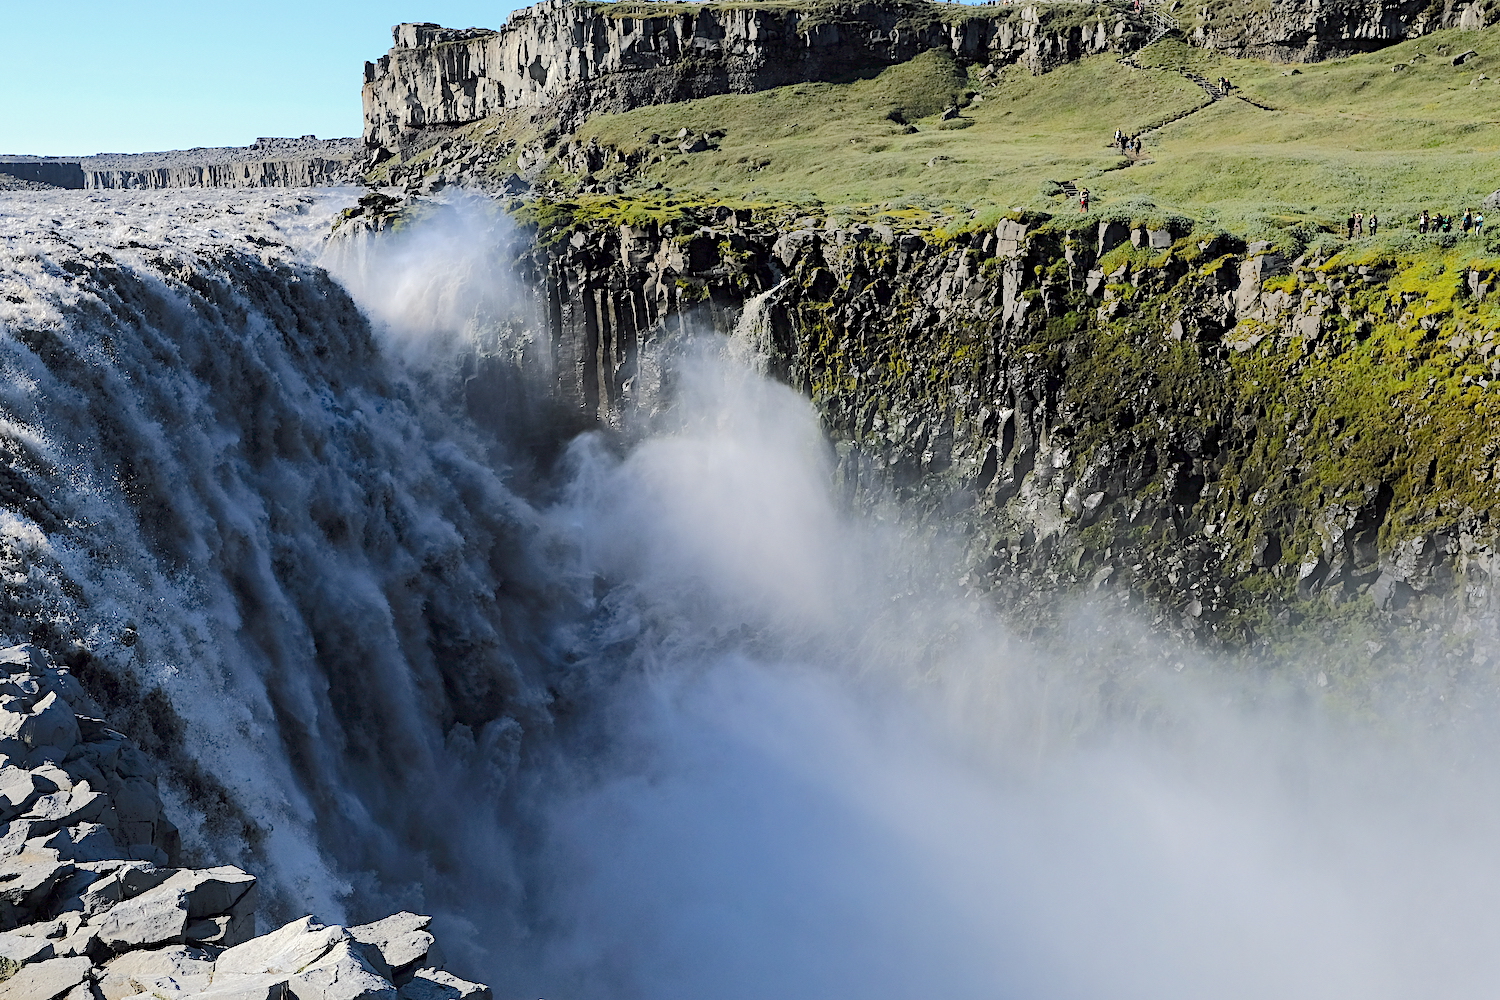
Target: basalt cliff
<point>574,59</point>
<point>1139,410</point>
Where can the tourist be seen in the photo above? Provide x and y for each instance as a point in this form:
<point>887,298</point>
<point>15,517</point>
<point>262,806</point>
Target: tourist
<point>1478,224</point>
<point>1083,200</point>
<point>1374,223</point>
<point>1468,222</point>
<point>1359,223</point>
<point>1349,226</point>
<point>1423,221</point>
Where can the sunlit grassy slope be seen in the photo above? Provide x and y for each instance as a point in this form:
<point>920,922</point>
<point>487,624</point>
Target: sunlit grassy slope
<point>1351,133</point>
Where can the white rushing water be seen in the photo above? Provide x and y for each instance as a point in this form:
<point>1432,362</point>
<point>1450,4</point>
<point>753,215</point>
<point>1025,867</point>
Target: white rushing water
<point>657,720</point>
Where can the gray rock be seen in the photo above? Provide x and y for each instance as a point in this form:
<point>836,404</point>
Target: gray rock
<point>15,834</point>
<point>28,878</point>
<point>187,969</point>
<point>434,984</point>
<point>101,895</point>
<point>342,973</point>
<point>1160,238</point>
<point>79,804</point>
<point>25,948</point>
<point>285,950</point>
<point>402,940</point>
<point>210,891</point>
<point>153,918</point>
<point>46,980</point>
<point>245,987</point>
<point>82,842</point>
<point>51,724</point>
<point>1111,235</point>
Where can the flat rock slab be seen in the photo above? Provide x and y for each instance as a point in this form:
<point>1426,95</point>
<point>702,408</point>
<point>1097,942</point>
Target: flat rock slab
<point>263,987</point>
<point>288,950</point>
<point>434,984</point>
<point>46,980</point>
<point>153,918</point>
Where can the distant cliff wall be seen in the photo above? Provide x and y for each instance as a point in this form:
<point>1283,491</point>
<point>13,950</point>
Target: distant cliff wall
<point>1308,31</point>
<point>581,58</point>
<point>238,174</point>
<point>55,173</point>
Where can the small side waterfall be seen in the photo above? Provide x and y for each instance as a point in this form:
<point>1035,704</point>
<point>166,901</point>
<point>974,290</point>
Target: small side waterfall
<point>753,340</point>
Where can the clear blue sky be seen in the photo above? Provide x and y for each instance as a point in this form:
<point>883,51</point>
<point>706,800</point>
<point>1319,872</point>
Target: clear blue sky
<point>83,76</point>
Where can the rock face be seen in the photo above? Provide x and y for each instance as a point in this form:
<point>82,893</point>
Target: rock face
<point>1137,412</point>
<point>304,162</point>
<point>90,907</point>
<point>580,58</point>
<point>1298,31</point>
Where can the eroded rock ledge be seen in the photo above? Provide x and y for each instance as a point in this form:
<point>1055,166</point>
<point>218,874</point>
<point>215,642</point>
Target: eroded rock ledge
<point>93,908</point>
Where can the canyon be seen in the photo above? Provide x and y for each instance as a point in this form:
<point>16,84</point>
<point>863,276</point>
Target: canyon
<point>593,544</point>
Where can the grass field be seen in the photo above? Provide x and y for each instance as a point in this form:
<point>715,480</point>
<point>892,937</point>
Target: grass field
<point>1345,134</point>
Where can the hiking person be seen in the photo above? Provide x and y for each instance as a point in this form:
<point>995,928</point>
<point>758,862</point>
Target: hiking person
<point>1468,221</point>
<point>1423,222</point>
<point>1478,224</point>
<point>1083,200</point>
<point>1359,223</point>
<point>1447,223</point>
<point>1374,223</point>
<point>1349,226</point>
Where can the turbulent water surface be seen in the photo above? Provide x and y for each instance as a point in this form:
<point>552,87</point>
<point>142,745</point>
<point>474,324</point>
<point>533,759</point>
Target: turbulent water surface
<point>643,716</point>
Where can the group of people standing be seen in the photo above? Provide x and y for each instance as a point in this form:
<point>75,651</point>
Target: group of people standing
<point>1128,143</point>
<point>1472,222</point>
<point>1357,222</point>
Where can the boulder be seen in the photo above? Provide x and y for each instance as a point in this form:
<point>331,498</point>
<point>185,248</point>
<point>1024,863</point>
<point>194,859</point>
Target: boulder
<point>434,984</point>
<point>50,724</point>
<point>79,804</point>
<point>25,948</point>
<point>261,987</point>
<point>285,950</point>
<point>28,878</point>
<point>154,918</point>
<point>49,980</point>
<point>210,891</point>
<point>402,940</point>
<point>343,973</point>
<point>82,842</point>
<point>18,789</point>
<point>190,969</point>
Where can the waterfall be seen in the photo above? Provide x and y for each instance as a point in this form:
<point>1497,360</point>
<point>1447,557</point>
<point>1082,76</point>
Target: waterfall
<point>660,718</point>
<point>753,339</point>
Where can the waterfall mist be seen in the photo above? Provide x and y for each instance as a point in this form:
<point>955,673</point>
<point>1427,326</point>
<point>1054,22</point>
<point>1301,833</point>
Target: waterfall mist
<point>657,717</point>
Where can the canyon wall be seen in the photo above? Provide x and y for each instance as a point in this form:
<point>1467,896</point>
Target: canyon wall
<point>1299,31</point>
<point>1236,438</point>
<point>310,172</point>
<point>580,58</point>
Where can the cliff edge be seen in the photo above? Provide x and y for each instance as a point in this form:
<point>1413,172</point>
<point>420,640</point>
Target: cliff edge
<point>578,59</point>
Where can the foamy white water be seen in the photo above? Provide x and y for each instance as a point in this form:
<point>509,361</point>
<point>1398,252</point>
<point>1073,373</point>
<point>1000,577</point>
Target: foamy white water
<point>682,728</point>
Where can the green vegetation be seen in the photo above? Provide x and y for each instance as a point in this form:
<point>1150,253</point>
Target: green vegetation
<point>1347,134</point>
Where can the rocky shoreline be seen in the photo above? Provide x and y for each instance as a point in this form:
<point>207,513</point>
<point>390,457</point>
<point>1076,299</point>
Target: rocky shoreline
<point>92,906</point>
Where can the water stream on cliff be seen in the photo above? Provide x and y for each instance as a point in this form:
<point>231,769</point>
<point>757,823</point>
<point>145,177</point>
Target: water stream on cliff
<point>655,717</point>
